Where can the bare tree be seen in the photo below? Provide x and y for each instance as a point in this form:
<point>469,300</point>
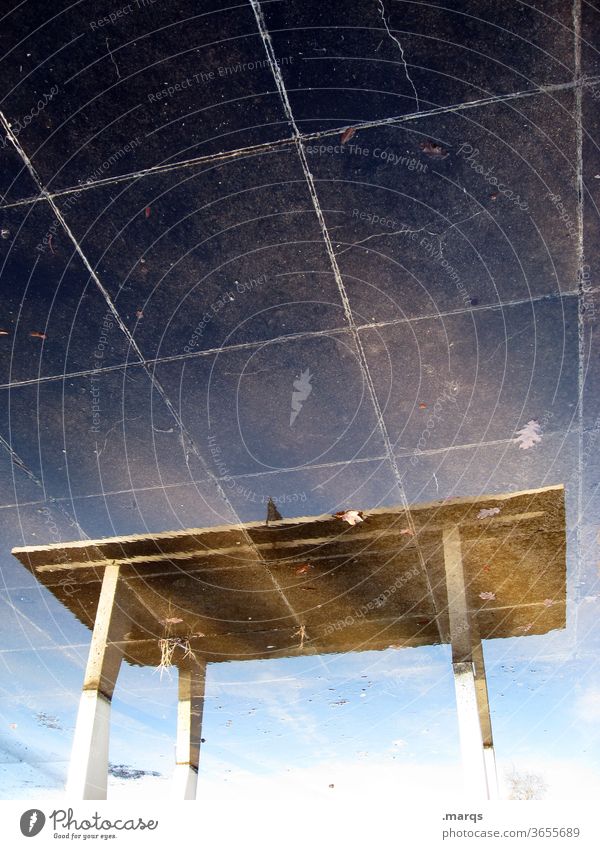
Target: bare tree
<point>526,785</point>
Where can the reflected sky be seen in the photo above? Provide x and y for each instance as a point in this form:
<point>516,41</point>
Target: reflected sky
<point>346,321</point>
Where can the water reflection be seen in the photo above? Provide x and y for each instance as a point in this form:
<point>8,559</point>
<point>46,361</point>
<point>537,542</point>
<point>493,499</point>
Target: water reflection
<point>372,324</point>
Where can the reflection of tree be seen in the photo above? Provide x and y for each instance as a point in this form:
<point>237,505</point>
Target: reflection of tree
<point>526,785</point>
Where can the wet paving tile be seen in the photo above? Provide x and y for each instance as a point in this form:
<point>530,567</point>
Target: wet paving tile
<point>344,64</point>
<point>500,370</point>
<point>269,408</point>
<point>255,267</point>
<point>55,319</point>
<point>16,183</point>
<point>487,222</point>
<point>156,84</point>
<point>76,435</point>
<point>495,468</point>
<point>203,364</point>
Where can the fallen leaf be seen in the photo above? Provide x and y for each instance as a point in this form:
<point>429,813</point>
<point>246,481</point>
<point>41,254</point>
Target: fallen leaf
<point>347,134</point>
<point>422,406</point>
<point>139,314</point>
<point>4,332</point>
<point>435,151</point>
<point>37,335</point>
<point>303,569</point>
<point>494,196</point>
<point>487,596</point>
<point>529,435</point>
<point>331,786</point>
<point>147,212</point>
<point>485,513</point>
<point>548,602</point>
<point>407,532</point>
<point>353,517</point>
<point>486,568</point>
<point>525,628</point>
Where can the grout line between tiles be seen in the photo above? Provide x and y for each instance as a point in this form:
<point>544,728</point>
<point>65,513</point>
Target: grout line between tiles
<point>376,458</point>
<point>268,147</point>
<point>193,162</point>
<point>293,337</point>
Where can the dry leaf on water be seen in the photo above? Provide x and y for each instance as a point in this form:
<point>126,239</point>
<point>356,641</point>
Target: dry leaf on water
<point>487,596</point>
<point>348,134</point>
<point>435,151</point>
<point>407,532</point>
<point>37,335</point>
<point>353,517</point>
<point>529,435</point>
<point>303,569</point>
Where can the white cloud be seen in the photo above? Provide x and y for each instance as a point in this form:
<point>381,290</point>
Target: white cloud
<point>587,706</point>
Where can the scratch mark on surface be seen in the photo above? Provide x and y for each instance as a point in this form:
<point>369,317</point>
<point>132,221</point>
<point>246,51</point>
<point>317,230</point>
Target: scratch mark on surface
<point>400,232</point>
<point>110,430</point>
<point>113,59</point>
<point>393,37</point>
<point>462,221</point>
<point>505,343</point>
